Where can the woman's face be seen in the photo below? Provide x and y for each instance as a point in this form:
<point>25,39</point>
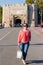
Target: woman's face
<point>25,27</point>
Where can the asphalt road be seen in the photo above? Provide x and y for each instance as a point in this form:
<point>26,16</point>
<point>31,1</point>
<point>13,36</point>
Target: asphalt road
<point>8,48</point>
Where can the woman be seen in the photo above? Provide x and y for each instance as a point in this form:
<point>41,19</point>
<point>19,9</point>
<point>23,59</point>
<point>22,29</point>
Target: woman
<point>23,41</point>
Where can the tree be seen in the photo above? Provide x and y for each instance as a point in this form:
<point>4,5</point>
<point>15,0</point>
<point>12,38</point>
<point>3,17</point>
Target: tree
<point>39,3</point>
<point>29,1</point>
<point>0,14</point>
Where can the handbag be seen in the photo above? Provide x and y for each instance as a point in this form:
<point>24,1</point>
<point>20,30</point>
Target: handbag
<point>19,54</point>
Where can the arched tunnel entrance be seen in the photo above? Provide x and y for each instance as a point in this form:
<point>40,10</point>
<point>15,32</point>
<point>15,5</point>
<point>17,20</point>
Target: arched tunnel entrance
<point>17,22</point>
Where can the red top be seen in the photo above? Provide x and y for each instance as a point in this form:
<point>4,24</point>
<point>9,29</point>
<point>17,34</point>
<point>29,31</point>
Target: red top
<point>24,36</point>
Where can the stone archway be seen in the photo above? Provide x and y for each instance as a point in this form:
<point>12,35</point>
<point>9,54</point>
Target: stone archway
<point>17,22</point>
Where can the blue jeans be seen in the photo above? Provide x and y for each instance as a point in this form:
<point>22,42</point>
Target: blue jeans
<point>24,48</point>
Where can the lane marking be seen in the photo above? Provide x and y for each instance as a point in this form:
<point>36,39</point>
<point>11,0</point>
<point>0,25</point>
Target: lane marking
<point>6,35</point>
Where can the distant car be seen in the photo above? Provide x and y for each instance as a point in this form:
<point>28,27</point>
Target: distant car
<point>18,25</point>
<point>1,26</point>
<point>21,25</point>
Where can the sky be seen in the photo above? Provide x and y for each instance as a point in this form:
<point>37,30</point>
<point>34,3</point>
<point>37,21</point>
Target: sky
<point>2,2</point>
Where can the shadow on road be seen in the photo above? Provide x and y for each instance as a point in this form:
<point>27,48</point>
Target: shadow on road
<point>37,44</point>
<point>17,45</point>
<point>34,61</point>
<point>8,45</point>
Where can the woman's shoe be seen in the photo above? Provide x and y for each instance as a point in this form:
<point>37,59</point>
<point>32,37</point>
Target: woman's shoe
<point>24,62</point>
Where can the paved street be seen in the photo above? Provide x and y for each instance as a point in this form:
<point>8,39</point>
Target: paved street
<point>38,30</point>
<point>8,48</point>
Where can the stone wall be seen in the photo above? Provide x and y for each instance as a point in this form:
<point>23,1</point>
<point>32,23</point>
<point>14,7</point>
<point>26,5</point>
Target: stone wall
<point>27,13</point>
<point>9,11</point>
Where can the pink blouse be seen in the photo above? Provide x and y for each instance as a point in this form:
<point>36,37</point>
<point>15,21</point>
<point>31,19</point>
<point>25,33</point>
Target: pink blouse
<point>24,36</point>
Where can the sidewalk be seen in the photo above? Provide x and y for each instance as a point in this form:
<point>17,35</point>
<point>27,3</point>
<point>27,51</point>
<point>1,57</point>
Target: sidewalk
<point>38,30</point>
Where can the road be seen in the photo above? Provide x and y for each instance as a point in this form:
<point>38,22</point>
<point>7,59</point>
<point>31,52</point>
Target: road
<point>9,47</point>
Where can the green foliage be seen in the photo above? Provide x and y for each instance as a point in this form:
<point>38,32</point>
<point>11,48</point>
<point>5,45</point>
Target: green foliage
<point>0,14</point>
<point>29,1</point>
<point>38,2</point>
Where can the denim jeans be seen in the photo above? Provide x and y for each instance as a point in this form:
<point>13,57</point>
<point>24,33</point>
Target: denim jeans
<point>24,48</point>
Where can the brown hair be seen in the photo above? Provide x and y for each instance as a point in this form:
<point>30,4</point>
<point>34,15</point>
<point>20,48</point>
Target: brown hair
<point>25,25</point>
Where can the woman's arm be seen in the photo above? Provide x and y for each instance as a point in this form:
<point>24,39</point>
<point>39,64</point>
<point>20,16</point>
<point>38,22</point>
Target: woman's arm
<point>29,35</point>
<point>19,38</point>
